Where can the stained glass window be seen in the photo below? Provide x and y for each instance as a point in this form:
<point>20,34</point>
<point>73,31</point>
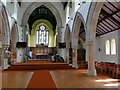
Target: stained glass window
<point>42,35</point>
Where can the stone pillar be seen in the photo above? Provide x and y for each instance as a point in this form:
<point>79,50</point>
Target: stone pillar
<point>5,57</point>
<point>61,52</point>
<point>67,55</point>
<point>67,52</point>
<point>24,29</point>
<point>21,51</point>
<point>20,55</point>
<point>90,57</point>
<point>74,58</point>
<point>1,63</point>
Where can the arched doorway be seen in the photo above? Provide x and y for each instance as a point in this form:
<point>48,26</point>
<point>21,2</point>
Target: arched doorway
<point>4,37</point>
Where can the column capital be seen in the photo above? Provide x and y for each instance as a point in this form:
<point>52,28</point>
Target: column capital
<point>67,45</point>
<point>89,42</point>
<point>23,26</point>
<point>74,46</point>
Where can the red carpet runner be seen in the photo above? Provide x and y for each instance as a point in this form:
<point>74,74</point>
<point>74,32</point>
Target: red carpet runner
<point>41,79</point>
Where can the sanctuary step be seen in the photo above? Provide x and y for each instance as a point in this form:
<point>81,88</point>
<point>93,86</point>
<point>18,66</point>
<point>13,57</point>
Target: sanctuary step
<point>39,65</point>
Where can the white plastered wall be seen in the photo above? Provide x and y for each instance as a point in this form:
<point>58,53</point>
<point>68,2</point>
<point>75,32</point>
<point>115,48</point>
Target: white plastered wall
<point>83,9</point>
<point>100,44</point>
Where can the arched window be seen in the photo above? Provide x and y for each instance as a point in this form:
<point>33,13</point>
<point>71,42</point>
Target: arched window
<point>113,47</point>
<point>107,46</point>
<point>42,35</point>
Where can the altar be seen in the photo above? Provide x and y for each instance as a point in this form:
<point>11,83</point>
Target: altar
<point>39,53</point>
<point>42,56</point>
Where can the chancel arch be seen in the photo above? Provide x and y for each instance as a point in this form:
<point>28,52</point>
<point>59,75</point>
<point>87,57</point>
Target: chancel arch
<point>50,19</point>
<point>50,6</point>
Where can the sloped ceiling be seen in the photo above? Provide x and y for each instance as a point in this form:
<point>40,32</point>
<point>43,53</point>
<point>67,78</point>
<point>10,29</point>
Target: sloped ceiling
<point>109,19</point>
<point>42,12</point>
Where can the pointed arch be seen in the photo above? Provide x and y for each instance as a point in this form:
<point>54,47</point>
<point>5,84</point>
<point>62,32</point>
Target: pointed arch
<point>67,36</point>
<point>4,36</point>
<point>5,28</point>
<point>76,28</point>
<point>14,37</point>
<point>34,5</point>
<point>92,19</point>
<point>52,8</point>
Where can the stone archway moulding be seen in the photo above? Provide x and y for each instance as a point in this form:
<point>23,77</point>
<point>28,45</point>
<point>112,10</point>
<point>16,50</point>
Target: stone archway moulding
<point>14,25</point>
<point>5,35</point>
<point>67,35</point>
<point>5,25</point>
<point>53,9</point>
<point>92,19</point>
<point>34,5</point>
<point>76,27</point>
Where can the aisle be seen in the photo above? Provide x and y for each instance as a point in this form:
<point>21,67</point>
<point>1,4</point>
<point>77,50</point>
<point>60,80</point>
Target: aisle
<point>41,79</point>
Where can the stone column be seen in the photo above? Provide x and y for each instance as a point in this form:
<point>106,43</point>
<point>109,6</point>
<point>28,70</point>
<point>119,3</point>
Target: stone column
<point>24,29</point>
<point>20,55</point>
<point>90,57</point>
<point>0,53</point>
<point>61,52</point>
<point>67,52</point>
<point>58,39</point>
<point>5,57</point>
<point>21,51</point>
<point>74,58</point>
<point>67,55</point>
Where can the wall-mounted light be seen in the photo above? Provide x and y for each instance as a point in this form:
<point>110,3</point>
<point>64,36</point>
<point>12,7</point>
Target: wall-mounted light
<point>70,18</point>
<point>11,1</point>
<point>66,24</point>
<point>84,2</point>
<point>79,3</point>
<point>15,22</point>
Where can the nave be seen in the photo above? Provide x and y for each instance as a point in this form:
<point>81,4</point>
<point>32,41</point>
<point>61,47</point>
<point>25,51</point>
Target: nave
<point>54,78</point>
<point>65,42</point>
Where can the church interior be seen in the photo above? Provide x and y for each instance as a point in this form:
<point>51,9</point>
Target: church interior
<point>60,44</point>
